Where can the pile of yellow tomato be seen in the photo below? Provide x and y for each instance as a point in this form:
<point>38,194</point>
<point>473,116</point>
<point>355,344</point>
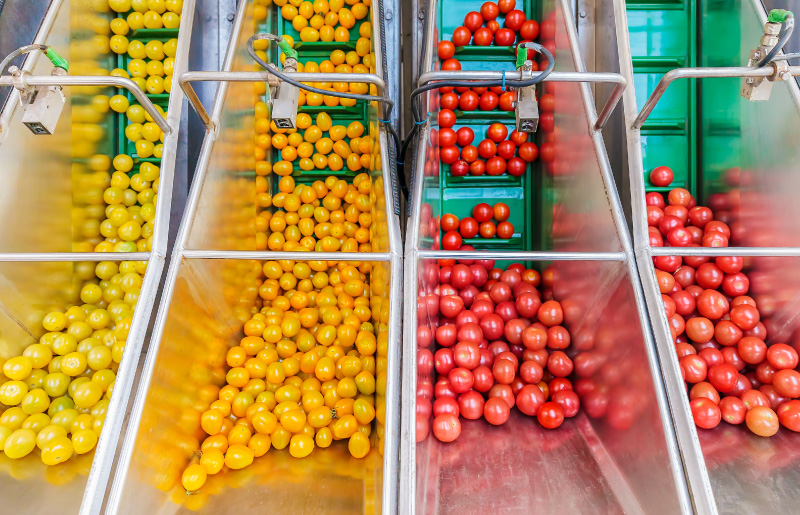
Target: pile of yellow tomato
<point>303,374</point>
<point>56,394</point>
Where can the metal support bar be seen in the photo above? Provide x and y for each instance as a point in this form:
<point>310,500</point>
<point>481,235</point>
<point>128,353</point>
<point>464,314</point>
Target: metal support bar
<point>90,80</point>
<point>73,256</point>
<point>702,73</point>
<point>296,256</point>
<point>521,255</point>
<point>726,251</point>
<point>187,78</point>
<point>594,77</point>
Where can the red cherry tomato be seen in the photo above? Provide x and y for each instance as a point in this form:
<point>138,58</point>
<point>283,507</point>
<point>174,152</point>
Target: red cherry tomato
<point>550,415</point>
<point>477,168</point>
<point>487,230</point>
<point>451,241</point>
<point>528,152</point>
<point>547,102</point>
<point>788,415</point>
<point>529,30</point>
<point>446,50</point>
<point>733,410</point>
<point>468,101</point>
<point>661,176</point>
<point>504,37</point>
<point>782,356</point>
<point>446,427</point>
<point>569,401</point>
<point>448,155</point>
<point>496,411</point>
<point>447,137</point>
<point>459,169</point>
<point>506,149</point>
<point>482,212</point>
<point>505,230</point>
<point>473,21</point>
<point>506,6</point>
<point>501,211</point>
<point>762,421</point>
<point>550,313</point>
<point>451,65</point>
<point>496,166</point>
<point>446,118</point>
<point>489,101</point>
<point>497,132</point>
<point>548,152</point>
<point>445,405</point>
<point>460,380</point>
<point>449,101</point>
<point>462,35</point>
<point>490,11</point>
<point>516,167</point>
<point>518,137</point>
<point>529,399</point>
<point>787,383</point>
<point>471,405</point>
<point>464,136</point>
<point>487,148</point>
<point>449,222</point>
<point>706,413</point>
<point>469,153</point>
<point>507,100</point>
<point>723,377</point>
<point>483,37</point>
<point>468,227</point>
<point>745,316</point>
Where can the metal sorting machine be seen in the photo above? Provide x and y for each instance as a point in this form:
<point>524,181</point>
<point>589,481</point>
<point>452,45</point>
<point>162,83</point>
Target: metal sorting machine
<point>49,184</point>
<point>747,164</point>
<point>624,460</point>
<point>211,287</point>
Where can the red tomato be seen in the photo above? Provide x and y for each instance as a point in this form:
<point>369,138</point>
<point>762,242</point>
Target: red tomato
<point>459,169</point>
<point>446,50</point>
<point>550,313</point>
<point>501,211</point>
<point>487,148</point>
<point>733,410</point>
<point>469,153</point>
<point>487,230</point>
<point>723,377</point>
<point>464,136</point>
<point>506,149</point>
<point>569,401</point>
<point>451,241</point>
<point>445,405</point>
<point>704,390</point>
<point>473,21</point>
<point>712,304</point>
<point>446,427</point>
<point>529,30</point>
<point>468,101</point>
<point>787,383</point>
<point>467,355</point>
<point>489,11</point>
<point>547,102</point>
<point>451,65</point>
<point>496,411</point>
<point>462,35</point>
<point>448,155</point>
<point>483,37</point>
<point>661,176</point>
<point>529,399</point>
<point>482,212</point>
<point>496,166</point>
<point>559,364</point>
<point>449,101</point>
<point>745,316</point>
<point>489,101</point>
<point>446,118</point>
<point>788,415</point>
<point>516,167</point>
<point>447,137</point>
<point>449,222</point>
<point>518,137</point>
<point>515,19</point>
<point>507,100</point>
<point>693,368</point>
<point>782,356</point>
<point>506,5</point>
<point>550,415</point>
<point>700,330</point>
<point>471,405</point>
<point>504,37</point>
<point>443,361</point>
<point>727,333</point>
<point>705,412</point>
<point>460,380</point>
<point>497,132</point>
<point>477,168</point>
<point>468,227</point>
<point>505,230</point>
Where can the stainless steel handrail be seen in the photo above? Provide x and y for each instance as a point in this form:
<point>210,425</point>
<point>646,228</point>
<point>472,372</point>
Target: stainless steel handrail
<point>523,255</point>
<point>90,80</point>
<point>593,77</point>
<point>701,73</point>
<point>187,78</point>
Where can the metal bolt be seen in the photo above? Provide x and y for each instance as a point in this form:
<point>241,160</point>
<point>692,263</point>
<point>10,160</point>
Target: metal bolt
<point>388,15</point>
<point>583,14</point>
<point>785,75</point>
<point>230,16</point>
<point>750,80</point>
<point>421,15</point>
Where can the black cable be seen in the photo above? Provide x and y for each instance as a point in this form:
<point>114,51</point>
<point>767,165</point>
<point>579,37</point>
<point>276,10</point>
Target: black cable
<point>783,38</point>
<point>354,96</point>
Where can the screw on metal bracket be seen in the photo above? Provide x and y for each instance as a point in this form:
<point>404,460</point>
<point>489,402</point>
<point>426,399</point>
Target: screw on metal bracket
<point>231,16</point>
<point>388,15</point>
<point>583,14</point>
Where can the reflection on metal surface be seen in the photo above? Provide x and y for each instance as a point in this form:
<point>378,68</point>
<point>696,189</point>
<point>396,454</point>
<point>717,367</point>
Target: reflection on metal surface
<point>749,179</point>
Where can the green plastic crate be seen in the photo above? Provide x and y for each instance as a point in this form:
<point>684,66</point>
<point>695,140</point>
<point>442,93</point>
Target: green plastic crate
<point>459,195</point>
<point>663,37</point>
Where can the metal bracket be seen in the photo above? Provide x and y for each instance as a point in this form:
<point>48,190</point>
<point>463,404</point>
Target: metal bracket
<point>185,81</point>
<point>704,73</point>
<point>89,80</point>
<point>592,77</point>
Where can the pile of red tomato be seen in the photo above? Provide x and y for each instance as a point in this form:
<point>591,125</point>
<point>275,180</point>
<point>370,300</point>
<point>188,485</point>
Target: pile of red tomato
<point>500,344</point>
<point>499,153</point>
<point>720,337</point>
<point>480,223</point>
